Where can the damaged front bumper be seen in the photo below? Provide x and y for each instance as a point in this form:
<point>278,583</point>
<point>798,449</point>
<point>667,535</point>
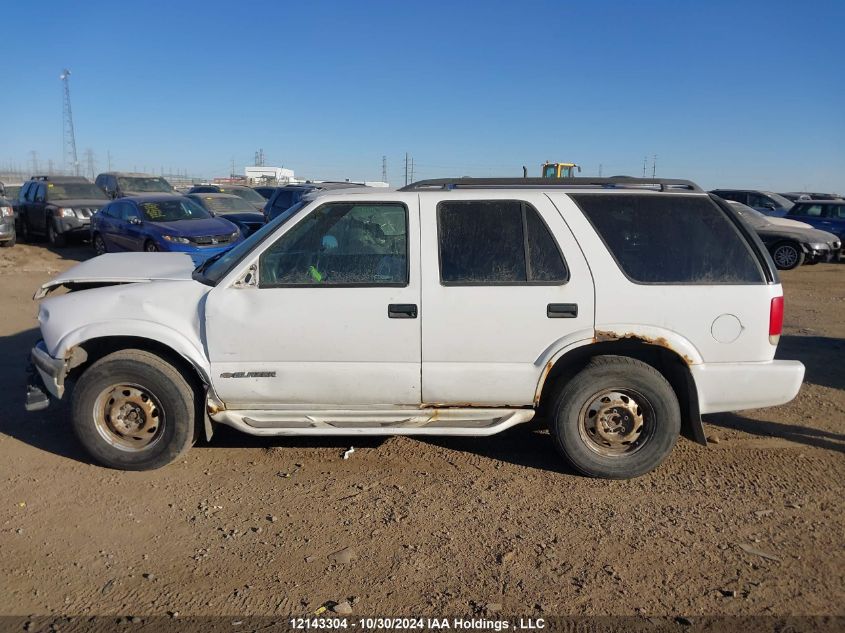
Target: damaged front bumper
<point>44,372</point>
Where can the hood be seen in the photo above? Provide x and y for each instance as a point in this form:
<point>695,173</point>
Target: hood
<point>788,222</point>
<point>805,235</point>
<point>122,268</point>
<point>129,192</point>
<point>194,228</point>
<point>79,202</point>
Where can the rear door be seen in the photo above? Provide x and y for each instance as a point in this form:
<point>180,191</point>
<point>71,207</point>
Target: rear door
<point>834,220</point>
<point>504,287</point>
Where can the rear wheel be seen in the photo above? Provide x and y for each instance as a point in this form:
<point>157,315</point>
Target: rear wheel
<point>8,243</point>
<point>53,236</point>
<point>618,418</point>
<point>150,247</point>
<point>787,256</point>
<point>133,411</point>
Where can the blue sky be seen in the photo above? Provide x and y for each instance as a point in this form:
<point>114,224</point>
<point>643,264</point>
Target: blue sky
<point>725,93</point>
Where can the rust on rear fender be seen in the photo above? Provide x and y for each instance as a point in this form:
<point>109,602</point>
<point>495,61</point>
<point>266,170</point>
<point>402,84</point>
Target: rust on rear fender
<point>603,336</point>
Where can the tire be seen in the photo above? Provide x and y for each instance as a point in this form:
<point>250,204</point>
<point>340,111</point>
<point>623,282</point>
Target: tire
<point>787,255</point>
<point>113,389</point>
<point>56,239</point>
<point>624,392</point>
<point>150,247</point>
<point>99,244</point>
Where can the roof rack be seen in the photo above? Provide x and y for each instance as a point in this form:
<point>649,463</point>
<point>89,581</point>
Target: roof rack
<point>47,178</point>
<point>616,182</point>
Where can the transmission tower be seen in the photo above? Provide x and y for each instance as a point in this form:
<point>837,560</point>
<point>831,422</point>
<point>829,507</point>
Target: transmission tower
<point>71,160</point>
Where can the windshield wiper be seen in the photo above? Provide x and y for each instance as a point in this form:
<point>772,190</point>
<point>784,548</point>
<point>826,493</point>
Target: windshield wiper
<point>202,266</point>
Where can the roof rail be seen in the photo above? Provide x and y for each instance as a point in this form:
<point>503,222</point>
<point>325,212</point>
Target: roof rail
<point>616,182</point>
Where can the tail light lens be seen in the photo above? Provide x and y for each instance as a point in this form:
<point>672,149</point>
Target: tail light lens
<point>775,320</point>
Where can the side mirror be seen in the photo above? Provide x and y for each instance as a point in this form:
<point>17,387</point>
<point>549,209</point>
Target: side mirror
<point>134,220</point>
<point>769,205</point>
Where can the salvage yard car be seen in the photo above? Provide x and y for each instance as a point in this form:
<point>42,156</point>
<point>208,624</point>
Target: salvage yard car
<point>790,246</point>
<point>8,235</point>
<point>234,208</point>
<point>448,307</point>
<point>58,207</point>
<point>116,184</point>
<point>161,222</point>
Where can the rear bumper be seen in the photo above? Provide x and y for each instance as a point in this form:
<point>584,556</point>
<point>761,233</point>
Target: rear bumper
<point>738,386</point>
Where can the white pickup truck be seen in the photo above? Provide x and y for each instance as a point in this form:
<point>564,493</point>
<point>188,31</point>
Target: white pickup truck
<point>618,309</point>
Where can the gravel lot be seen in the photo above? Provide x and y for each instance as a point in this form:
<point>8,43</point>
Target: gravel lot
<point>751,525</point>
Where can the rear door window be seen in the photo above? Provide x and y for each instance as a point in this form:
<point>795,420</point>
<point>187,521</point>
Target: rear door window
<point>836,211</point>
<point>666,239</point>
<point>809,210</point>
<point>490,242</point>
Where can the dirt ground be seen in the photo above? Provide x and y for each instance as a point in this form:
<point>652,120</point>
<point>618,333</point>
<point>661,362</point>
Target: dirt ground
<point>752,524</point>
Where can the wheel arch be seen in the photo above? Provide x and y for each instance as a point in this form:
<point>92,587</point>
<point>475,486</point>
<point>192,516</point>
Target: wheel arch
<point>674,366</point>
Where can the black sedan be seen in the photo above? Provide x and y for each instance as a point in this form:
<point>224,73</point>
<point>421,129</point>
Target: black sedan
<point>234,208</point>
<point>790,243</point>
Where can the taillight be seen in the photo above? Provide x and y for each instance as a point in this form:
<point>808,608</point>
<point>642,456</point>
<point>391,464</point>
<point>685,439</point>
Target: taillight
<point>775,320</point>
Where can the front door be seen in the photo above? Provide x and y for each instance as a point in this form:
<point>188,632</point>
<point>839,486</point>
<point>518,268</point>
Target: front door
<point>504,286</point>
<point>334,317</point>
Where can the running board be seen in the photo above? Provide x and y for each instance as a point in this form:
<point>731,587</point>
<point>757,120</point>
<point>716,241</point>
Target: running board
<point>463,421</point>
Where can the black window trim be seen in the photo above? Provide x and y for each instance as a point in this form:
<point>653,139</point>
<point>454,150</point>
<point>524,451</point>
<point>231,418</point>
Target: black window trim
<point>526,253</point>
<point>736,224</point>
<point>404,284</point>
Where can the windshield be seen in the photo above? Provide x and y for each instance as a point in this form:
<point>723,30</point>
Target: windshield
<point>250,195</point>
<point>213,270</point>
<point>74,190</point>
<point>780,200</point>
<point>172,210</point>
<point>145,184</point>
<point>227,204</point>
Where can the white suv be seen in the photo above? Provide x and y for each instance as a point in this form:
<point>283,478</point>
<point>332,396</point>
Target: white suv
<point>619,309</point>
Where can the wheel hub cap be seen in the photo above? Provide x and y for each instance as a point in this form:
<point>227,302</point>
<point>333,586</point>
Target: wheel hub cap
<point>128,417</point>
<point>613,422</point>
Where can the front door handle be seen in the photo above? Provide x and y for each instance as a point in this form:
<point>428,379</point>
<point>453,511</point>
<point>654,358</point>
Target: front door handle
<point>562,310</point>
<point>402,311</point>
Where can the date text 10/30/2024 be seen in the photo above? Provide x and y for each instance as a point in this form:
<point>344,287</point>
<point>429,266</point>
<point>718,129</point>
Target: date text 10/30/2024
<point>417,624</point>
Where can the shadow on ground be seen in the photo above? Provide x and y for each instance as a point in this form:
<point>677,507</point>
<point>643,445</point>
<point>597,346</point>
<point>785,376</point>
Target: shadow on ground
<point>822,356</point>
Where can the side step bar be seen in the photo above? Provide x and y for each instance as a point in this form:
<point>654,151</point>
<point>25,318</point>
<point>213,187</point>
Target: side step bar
<point>457,421</point>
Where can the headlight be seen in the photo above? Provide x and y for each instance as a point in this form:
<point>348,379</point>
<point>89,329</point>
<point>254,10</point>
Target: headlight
<point>176,239</point>
<point>66,212</point>
<point>819,246</point>
<point>6,212</point>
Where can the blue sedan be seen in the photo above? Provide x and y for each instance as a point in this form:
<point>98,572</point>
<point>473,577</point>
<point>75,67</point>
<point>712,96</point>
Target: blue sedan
<point>161,223</point>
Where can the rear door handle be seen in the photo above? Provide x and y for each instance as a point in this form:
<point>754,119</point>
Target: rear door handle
<point>562,310</point>
<point>402,311</point>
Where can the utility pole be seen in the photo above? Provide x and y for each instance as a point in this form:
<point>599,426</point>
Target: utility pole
<point>654,167</point>
<point>645,164</point>
<point>406,168</point>
<point>89,162</point>
<point>412,169</point>
<point>108,157</point>
<point>232,174</point>
<point>384,168</point>
<point>600,168</point>
<point>71,159</point>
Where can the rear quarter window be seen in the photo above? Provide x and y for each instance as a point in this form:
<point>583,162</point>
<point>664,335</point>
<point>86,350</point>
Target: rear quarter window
<point>666,239</point>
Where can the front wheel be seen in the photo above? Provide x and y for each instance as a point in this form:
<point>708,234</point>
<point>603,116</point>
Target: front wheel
<point>617,418</point>
<point>55,238</point>
<point>150,247</point>
<point>99,244</point>
<point>133,411</point>
<point>787,256</point>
